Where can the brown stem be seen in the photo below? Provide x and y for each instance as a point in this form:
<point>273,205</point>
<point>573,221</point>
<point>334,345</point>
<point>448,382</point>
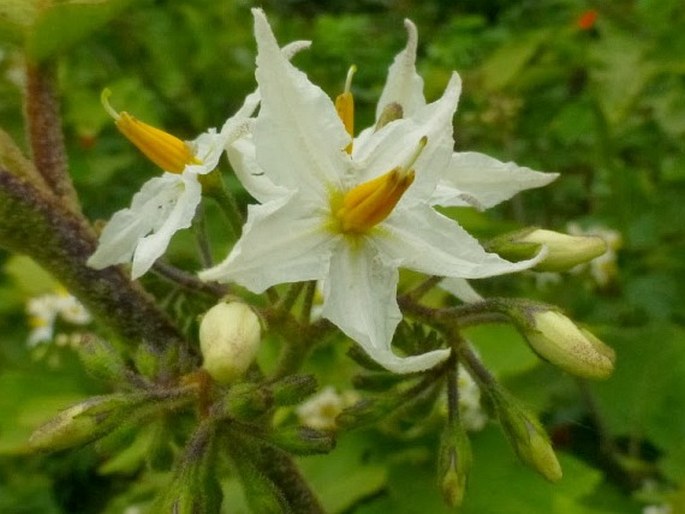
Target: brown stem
<point>36,223</point>
<point>45,132</point>
<point>189,281</point>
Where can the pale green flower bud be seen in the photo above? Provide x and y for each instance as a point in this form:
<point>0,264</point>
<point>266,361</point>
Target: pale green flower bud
<point>558,340</point>
<point>229,339</point>
<point>563,251</point>
<point>526,436</point>
<point>83,422</point>
<point>454,463</point>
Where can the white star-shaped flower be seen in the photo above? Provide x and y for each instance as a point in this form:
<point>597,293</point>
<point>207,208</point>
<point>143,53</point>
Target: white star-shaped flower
<point>471,179</point>
<point>349,216</point>
<point>164,205</point>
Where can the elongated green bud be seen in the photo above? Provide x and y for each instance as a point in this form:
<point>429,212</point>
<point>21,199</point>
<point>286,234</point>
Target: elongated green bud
<point>230,334</point>
<point>101,359</point>
<point>194,488</point>
<point>293,389</point>
<point>301,440</point>
<point>563,251</point>
<point>248,401</point>
<point>526,435</point>
<point>84,422</point>
<point>558,340</point>
<point>454,463</point>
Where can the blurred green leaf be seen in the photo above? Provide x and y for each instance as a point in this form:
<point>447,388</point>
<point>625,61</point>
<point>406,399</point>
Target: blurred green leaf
<point>502,349</point>
<point>64,24</point>
<point>507,62</point>
<point>342,479</point>
<point>29,400</point>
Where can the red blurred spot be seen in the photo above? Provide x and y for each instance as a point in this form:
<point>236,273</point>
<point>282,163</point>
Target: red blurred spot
<point>587,19</point>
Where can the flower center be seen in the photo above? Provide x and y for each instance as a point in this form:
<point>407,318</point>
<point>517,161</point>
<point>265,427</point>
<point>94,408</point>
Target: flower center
<point>344,104</point>
<point>367,204</point>
<point>166,151</point>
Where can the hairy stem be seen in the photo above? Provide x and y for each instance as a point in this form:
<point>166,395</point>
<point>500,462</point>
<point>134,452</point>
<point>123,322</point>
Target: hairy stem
<point>280,468</point>
<point>45,132</point>
<point>38,224</point>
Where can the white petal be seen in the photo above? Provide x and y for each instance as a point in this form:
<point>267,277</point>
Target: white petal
<point>174,211</point>
<point>298,134</point>
<point>403,84</point>
<point>424,240</point>
<point>460,288</point>
<point>478,178</point>
<point>207,147</point>
<point>242,156</point>
<point>162,206</point>
<point>282,241</point>
<point>237,125</point>
<point>359,297</point>
<point>396,142</point>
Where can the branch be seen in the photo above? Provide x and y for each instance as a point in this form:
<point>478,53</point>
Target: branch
<point>38,224</point>
<point>45,132</point>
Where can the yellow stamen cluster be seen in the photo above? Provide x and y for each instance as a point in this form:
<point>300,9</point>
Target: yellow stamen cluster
<point>367,204</point>
<point>166,151</point>
<point>344,104</point>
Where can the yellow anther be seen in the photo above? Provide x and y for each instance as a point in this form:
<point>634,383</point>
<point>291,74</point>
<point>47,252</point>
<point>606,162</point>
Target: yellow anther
<point>391,112</point>
<point>366,205</point>
<point>166,151</point>
<point>344,104</point>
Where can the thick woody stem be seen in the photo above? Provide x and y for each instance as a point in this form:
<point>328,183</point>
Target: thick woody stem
<point>45,132</point>
<point>38,224</point>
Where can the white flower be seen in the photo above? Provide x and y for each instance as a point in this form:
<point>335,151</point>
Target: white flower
<point>349,218</point>
<point>165,204</point>
<point>44,311</point>
<point>320,410</point>
<point>471,178</point>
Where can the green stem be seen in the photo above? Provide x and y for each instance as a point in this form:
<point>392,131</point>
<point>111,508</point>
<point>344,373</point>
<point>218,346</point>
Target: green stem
<point>200,227</point>
<point>309,294</point>
<point>214,187</point>
<point>419,291</point>
<point>286,304</point>
<point>188,281</point>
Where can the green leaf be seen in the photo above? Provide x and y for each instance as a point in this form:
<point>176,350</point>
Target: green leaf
<point>28,400</point>
<point>502,349</point>
<point>65,24</point>
<point>29,278</point>
<point>343,478</point>
<point>15,17</point>
<point>498,484</point>
<point>508,61</point>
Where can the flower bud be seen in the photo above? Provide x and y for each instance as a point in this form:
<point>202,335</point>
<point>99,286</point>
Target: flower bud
<point>101,359</point>
<point>454,463</point>
<point>84,422</point>
<point>229,339</point>
<point>563,251</point>
<point>293,389</point>
<point>526,436</point>
<point>248,401</point>
<point>556,339</point>
<point>301,440</point>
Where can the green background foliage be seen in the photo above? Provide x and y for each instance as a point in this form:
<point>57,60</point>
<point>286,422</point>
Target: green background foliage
<point>603,106</point>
